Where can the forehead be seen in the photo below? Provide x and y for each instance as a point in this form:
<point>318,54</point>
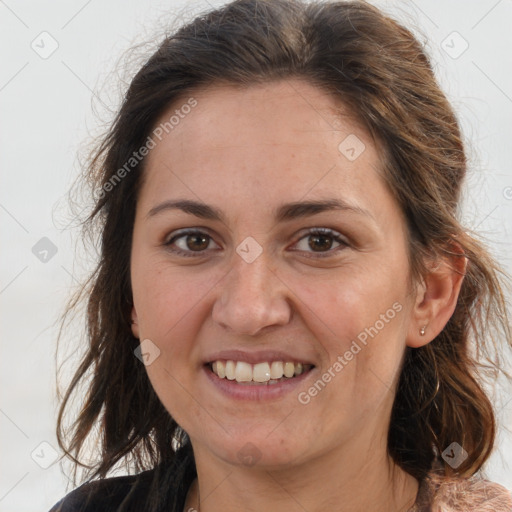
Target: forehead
<point>280,112</point>
<point>283,140</point>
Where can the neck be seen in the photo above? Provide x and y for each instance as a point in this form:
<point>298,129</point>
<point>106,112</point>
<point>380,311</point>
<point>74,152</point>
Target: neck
<point>358,479</point>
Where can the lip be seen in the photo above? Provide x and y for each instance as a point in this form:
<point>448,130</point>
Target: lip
<point>261,356</point>
<point>260,392</point>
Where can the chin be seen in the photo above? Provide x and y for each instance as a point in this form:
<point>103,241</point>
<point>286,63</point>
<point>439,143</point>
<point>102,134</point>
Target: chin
<point>253,451</point>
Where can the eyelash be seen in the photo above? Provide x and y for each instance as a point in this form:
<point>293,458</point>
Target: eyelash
<point>314,231</point>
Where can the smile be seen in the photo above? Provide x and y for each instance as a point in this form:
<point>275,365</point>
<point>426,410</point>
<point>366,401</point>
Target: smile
<point>266,373</point>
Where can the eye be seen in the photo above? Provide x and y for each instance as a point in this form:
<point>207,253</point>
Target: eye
<point>189,242</point>
<point>193,243</point>
<point>321,241</point>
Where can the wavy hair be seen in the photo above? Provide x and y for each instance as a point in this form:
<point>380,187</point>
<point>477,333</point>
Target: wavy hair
<point>372,64</point>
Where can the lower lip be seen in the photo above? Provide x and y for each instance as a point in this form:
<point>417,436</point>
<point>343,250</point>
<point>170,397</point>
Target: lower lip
<point>258,392</point>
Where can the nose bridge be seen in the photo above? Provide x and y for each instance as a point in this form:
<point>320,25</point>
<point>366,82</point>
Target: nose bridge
<point>252,297</point>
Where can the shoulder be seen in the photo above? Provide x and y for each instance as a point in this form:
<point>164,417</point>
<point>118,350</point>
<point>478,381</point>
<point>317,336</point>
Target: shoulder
<point>162,488</point>
<point>107,494</point>
<point>472,494</point>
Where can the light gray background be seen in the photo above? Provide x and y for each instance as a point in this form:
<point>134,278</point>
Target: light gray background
<point>46,115</point>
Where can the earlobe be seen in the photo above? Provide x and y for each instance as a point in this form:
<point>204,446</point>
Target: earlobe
<point>437,299</point>
<point>134,323</point>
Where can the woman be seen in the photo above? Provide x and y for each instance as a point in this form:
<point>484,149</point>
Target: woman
<point>283,311</point>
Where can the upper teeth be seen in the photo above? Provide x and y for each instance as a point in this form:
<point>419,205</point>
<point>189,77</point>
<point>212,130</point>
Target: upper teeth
<point>260,372</point>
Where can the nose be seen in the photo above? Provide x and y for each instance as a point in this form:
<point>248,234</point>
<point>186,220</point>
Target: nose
<point>253,297</point>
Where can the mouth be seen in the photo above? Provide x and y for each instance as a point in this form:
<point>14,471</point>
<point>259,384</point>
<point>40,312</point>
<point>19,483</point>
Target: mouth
<point>264,373</point>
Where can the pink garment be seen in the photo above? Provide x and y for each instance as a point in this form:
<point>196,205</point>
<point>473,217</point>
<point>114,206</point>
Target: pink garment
<point>445,494</point>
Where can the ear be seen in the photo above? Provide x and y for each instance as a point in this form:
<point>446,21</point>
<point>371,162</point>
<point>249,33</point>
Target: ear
<point>135,323</point>
<point>436,297</point>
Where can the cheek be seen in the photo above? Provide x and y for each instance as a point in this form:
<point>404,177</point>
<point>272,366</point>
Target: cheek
<point>175,391</point>
<point>352,300</point>
<point>167,298</point>
<point>363,340</point>
<point>170,302</point>
<point>358,318</point>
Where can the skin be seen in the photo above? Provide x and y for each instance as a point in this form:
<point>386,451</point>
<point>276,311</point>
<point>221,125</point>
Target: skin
<point>246,152</point>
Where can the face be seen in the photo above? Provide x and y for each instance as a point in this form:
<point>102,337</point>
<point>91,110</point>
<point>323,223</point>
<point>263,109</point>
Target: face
<point>265,271</point>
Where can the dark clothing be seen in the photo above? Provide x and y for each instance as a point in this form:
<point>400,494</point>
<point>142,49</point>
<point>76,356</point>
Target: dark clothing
<point>119,493</point>
<point>164,489</point>
<point>136,493</point>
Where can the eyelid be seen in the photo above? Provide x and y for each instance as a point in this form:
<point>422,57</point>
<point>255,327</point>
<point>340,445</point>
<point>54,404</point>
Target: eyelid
<point>335,235</point>
<point>181,233</point>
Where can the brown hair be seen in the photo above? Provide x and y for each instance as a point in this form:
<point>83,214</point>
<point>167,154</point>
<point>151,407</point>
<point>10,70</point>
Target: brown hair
<point>375,66</point>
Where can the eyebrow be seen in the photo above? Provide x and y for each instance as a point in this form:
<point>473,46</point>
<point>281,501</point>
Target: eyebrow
<point>285,212</point>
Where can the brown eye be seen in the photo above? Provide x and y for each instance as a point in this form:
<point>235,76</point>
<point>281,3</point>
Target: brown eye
<point>189,242</point>
<point>320,241</point>
<point>197,242</point>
